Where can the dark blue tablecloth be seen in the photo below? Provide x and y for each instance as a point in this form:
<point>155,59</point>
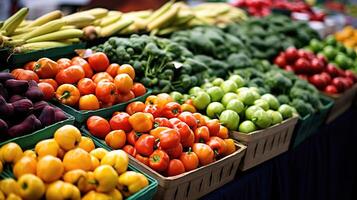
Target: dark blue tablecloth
<point>324,167</point>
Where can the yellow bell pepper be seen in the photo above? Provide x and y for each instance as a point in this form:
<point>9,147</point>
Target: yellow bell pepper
<point>92,195</point>
<point>115,194</point>
<point>60,190</point>
<point>99,153</point>
<point>105,178</point>
<point>131,182</point>
<point>11,153</point>
<point>1,167</point>
<point>2,196</point>
<point>118,159</point>
<point>13,196</point>
<point>8,186</point>
<point>31,187</point>
<point>77,177</point>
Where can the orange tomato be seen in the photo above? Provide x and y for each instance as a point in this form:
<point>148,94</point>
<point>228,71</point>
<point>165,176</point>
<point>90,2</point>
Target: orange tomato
<point>106,92</point>
<point>127,69</point>
<point>189,160</point>
<point>230,147</point>
<point>214,127</point>
<point>84,64</point>
<point>23,74</point>
<point>163,99</point>
<point>47,90</point>
<point>188,107</point>
<point>200,119</point>
<point>223,132</point>
<point>86,86</point>
<point>125,97</point>
<point>30,65</point>
<point>204,153</point>
<point>123,82</point>
<point>46,68</point>
<point>138,89</point>
<point>135,107</point>
<point>98,61</point>
<point>113,69</point>
<point>89,102</point>
<point>64,63</point>
<point>50,81</point>
<point>98,126</point>
<point>116,139</point>
<point>70,75</point>
<point>102,76</point>
<point>141,122</point>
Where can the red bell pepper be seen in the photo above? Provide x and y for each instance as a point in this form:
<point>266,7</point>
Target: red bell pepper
<point>169,139</point>
<point>218,145</point>
<point>171,110</point>
<point>163,122</point>
<point>159,160</point>
<point>201,134</point>
<point>145,144</point>
<point>153,109</point>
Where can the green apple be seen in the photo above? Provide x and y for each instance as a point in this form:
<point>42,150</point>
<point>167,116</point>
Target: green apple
<point>207,85</point>
<point>276,117</point>
<point>262,103</point>
<point>228,97</point>
<point>195,90</point>
<point>201,100</point>
<point>216,93</point>
<point>229,86</point>
<point>247,127</point>
<point>238,80</point>
<point>177,96</point>
<point>217,81</point>
<point>247,97</point>
<point>262,119</point>
<point>251,110</point>
<point>229,119</point>
<point>286,111</point>
<point>272,101</point>
<point>235,105</point>
<point>214,109</point>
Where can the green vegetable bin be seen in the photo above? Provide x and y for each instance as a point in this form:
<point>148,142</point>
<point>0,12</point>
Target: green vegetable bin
<point>309,124</point>
<point>81,115</point>
<point>146,193</point>
<point>19,59</point>
<point>29,142</point>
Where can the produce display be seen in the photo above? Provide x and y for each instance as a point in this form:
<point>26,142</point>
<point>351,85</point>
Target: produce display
<point>159,63</point>
<point>86,84</point>
<point>266,37</point>
<point>23,109</point>
<point>163,136</point>
<point>285,85</point>
<point>68,166</point>
<point>315,68</point>
<point>348,37</point>
<point>335,52</point>
<point>237,107</point>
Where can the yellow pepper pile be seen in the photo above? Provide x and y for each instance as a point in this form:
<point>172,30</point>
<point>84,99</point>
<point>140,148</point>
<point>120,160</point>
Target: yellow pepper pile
<point>348,36</point>
<point>68,166</point>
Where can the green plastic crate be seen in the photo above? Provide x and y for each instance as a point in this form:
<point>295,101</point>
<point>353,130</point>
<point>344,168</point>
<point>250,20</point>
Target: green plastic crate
<point>148,192</point>
<point>19,59</point>
<point>81,115</point>
<point>29,142</point>
<point>309,124</point>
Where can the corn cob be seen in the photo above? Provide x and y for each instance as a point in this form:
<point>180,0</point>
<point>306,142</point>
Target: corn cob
<point>96,12</point>
<point>115,27</point>
<point>164,19</point>
<point>114,12</point>
<point>58,35</point>
<point>14,21</point>
<point>46,18</point>
<point>157,13</point>
<point>79,20</point>
<point>38,46</point>
<point>23,30</point>
<point>70,41</point>
<point>49,27</point>
<point>109,20</point>
<point>140,14</point>
<point>65,27</point>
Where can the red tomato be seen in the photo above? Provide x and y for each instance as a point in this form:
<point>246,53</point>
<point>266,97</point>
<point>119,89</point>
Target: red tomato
<point>204,153</point>
<point>64,63</point>
<point>120,121</point>
<point>99,62</point>
<point>202,134</point>
<point>98,126</point>
<point>213,127</point>
<point>138,89</point>
<point>174,152</point>
<point>189,160</point>
<point>145,144</point>
<point>175,167</point>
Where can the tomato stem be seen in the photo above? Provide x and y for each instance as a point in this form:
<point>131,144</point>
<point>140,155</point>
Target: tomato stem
<point>65,95</point>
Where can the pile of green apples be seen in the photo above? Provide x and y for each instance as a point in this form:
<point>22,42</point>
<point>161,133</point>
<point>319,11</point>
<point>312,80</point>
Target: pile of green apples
<point>237,107</point>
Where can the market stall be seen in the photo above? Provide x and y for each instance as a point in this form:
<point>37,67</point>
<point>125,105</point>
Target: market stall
<point>182,102</point>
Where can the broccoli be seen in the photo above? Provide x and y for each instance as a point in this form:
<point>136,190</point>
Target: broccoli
<point>302,107</point>
<point>283,99</point>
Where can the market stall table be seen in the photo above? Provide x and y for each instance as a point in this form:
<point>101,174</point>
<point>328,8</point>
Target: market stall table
<point>323,167</point>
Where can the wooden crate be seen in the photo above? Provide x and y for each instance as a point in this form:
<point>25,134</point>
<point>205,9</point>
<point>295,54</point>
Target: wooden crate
<point>196,183</point>
<point>265,144</point>
<point>342,102</point>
